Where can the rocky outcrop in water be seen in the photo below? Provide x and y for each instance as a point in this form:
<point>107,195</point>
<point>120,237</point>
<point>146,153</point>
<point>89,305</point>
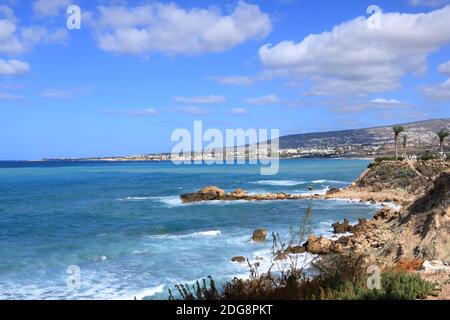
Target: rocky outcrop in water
<point>238,259</point>
<point>213,193</point>
<point>259,235</point>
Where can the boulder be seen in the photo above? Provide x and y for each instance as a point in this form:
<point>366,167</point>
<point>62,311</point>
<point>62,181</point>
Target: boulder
<point>237,194</point>
<point>259,235</point>
<point>282,196</point>
<point>238,259</point>
<point>212,191</point>
<point>205,194</point>
<point>342,227</point>
<point>320,245</point>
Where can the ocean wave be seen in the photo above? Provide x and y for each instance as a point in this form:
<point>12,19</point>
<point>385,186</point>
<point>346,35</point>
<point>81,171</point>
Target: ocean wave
<point>145,293</point>
<point>135,198</point>
<point>286,183</point>
<point>168,200</point>
<point>140,252</point>
<point>322,191</point>
<point>265,259</point>
<point>330,181</point>
<point>209,233</point>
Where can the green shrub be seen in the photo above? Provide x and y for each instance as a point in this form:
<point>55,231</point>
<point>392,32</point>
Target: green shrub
<point>406,173</point>
<point>339,278</point>
<point>379,160</point>
<point>346,280</point>
<point>400,285</point>
<point>428,155</point>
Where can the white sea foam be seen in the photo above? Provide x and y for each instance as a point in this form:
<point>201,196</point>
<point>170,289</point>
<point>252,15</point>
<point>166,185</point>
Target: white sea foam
<point>140,252</point>
<point>100,258</point>
<point>392,205</point>
<point>265,260</point>
<point>322,191</point>
<point>145,293</point>
<point>285,183</point>
<point>135,198</point>
<point>330,181</point>
<point>209,233</point>
<point>171,201</point>
<point>168,200</point>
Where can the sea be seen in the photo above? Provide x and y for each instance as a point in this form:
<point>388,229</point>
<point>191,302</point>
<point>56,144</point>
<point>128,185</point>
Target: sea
<point>118,230</point>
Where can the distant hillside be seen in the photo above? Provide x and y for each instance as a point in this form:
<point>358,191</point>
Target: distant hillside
<point>421,136</point>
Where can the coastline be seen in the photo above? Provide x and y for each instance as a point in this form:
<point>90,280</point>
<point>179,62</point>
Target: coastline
<point>399,187</point>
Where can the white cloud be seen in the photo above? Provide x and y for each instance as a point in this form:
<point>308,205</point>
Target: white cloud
<point>428,3</point>
<point>170,29</point>
<point>387,101</point>
<point>10,97</point>
<point>137,112</point>
<point>13,67</point>
<point>439,92</point>
<point>65,94</point>
<point>196,111</point>
<point>352,59</point>
<point>377,105</point>
<point>18,40</point>
<point>50,7</point>
<point>57,94</point>
<point>211,99</point>
<point>233,80</point>
<point>238,111</point>
<point>264,100</point>
<point>445,68</point>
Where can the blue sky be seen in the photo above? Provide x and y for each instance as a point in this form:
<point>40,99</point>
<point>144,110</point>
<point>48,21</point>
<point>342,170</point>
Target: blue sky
<point>137,70</point>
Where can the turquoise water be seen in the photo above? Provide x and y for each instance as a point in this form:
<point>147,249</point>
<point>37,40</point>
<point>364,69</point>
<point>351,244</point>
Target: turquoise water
<point>124,226</point>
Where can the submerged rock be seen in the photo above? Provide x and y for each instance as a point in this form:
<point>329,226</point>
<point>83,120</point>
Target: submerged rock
<point>238,259</point>
<point>259,235</point>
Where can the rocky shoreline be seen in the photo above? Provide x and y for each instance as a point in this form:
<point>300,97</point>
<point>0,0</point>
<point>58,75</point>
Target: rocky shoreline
<point>415,233</point>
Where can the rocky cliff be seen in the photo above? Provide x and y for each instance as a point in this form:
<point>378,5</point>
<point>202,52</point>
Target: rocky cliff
<point>420,229</point>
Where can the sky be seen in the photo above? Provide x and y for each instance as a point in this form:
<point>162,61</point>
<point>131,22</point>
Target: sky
<point>137,70</point>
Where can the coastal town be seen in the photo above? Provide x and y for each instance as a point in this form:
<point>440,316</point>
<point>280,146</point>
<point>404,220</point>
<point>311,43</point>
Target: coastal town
<point>416,139</point>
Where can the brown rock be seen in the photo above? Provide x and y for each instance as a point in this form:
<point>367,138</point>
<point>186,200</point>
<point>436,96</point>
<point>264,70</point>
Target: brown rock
<point>296,249</point>
<point>342,227</point>
<point>205,194</point>
<point>238,194</point>
<point>238,259</point>
<point>212,191</point>
<point>332,191</point>
<point>259,235</point>
<point>320,245</point>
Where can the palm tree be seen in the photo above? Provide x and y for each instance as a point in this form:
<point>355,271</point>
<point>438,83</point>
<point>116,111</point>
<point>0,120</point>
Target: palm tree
<point>397,130</point>
<point>405,143</point>
<point>442,134</point>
